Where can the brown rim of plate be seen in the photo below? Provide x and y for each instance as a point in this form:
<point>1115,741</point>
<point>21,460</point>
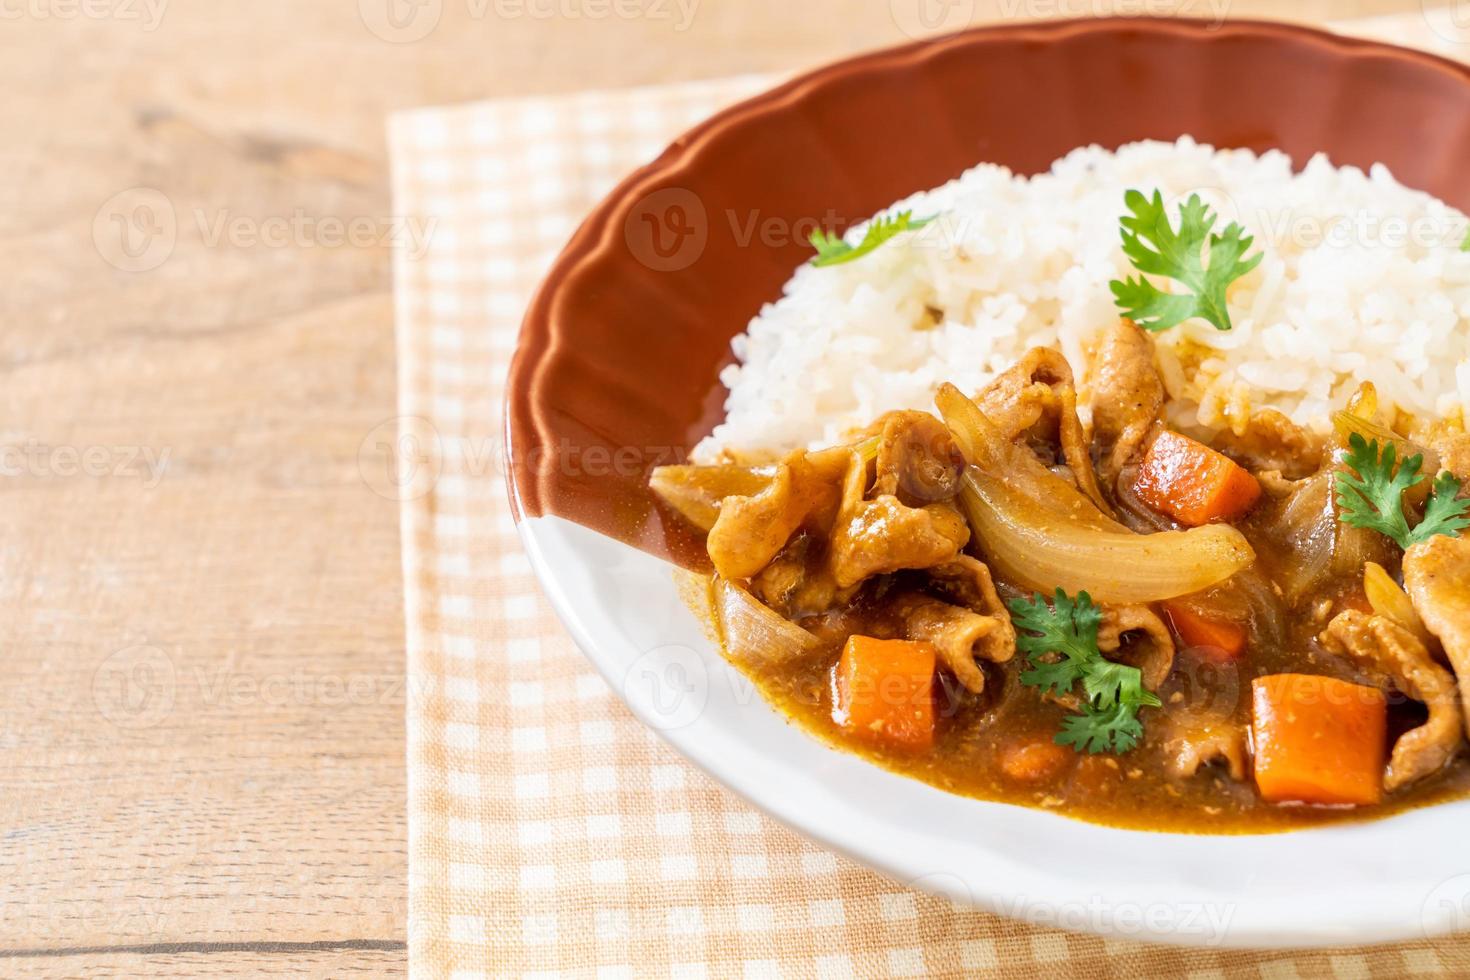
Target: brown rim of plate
<point>616,367</point>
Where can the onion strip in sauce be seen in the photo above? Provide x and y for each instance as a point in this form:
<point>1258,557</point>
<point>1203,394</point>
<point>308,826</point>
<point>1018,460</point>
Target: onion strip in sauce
<point>1037,529</point>
<point>752,632</point>
<point>1391,602</point>
<point>1038,547</point>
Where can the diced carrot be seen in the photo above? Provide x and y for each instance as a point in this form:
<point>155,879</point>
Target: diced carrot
<point>1216,638</point>
<point>1318,739</point>
<point>885,691</point>
<point>1192,483</point>
<point>1029,760</point>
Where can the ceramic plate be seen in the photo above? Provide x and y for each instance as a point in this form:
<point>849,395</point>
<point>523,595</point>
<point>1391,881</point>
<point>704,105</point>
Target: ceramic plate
<point>617,372</point>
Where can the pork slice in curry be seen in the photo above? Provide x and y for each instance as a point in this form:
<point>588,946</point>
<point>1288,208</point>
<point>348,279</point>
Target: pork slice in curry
<point>1109,617</point>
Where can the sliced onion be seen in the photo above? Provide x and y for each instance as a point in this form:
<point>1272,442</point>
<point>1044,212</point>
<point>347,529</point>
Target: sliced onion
<point>1038,547</point>
<point>1268,617</point>
<point>1364,402</point>
<point>696,491</point>
<point>987,450</point>
<point>1392,602</point>
<point>1308,529</point>
<point>1348,423</point>
<point>1314,546</point>
<point>980,441</point>
<point>753,634</point>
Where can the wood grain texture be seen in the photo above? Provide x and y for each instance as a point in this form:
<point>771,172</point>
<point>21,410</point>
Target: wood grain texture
<point>220,960</point>
<point>201,720</point>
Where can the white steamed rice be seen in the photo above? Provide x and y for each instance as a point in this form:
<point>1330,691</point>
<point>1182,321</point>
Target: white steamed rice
<point>1363,279</point>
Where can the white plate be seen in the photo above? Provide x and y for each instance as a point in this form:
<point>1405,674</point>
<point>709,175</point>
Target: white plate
<point>1405,877</point>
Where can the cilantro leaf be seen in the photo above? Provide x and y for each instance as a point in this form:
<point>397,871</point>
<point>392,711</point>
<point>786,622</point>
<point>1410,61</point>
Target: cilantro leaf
<point>1069,629</point>
<point>1115,729</point>
<point>1067,626</point>
<point>833,250</point>
<point>1372,495</point>
<point>1109,683</point>
<point>1444,511</point>
<point>1056,678</point>
<point>1179,256</point>
<point>1060,644</point>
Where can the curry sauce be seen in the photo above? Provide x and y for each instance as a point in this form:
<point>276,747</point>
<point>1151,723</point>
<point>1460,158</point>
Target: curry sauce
<point>1115,621</point>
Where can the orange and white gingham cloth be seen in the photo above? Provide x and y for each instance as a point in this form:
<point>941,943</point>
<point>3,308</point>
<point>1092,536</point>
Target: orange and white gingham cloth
<point>550,834</point>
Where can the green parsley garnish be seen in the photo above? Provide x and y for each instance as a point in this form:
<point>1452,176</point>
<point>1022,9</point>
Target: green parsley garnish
<point>1179,256</point>
<point>1060,644</point>
<point>1373,495</point>
<point>832,250</point>
<point>1465,242</point>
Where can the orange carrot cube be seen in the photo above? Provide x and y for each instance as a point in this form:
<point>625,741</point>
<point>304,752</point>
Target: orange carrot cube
<point>885,691</point>
<point>1218,639</point>
<point>1192,483</point>
<point>1318,739</point>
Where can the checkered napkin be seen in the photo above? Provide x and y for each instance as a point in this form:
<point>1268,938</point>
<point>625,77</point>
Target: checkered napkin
<point>550,833</point>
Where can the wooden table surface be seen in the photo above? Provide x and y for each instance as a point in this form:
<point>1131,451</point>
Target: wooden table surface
<point>201,720</point>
